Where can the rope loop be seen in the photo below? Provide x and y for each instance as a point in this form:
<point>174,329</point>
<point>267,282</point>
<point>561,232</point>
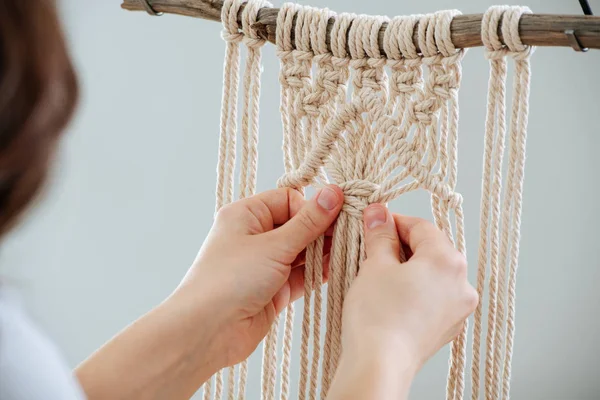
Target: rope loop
<point>231,29</point>
<point>318,37</point>
<point>302,38</point>
<point>249,18</point>
<point>505,18</point>
<point>510,28</point>
<point>426,39</point>
<point>339,34</point>
<point>283,32</point>
<point>443,34</point>
<point>406,30</point>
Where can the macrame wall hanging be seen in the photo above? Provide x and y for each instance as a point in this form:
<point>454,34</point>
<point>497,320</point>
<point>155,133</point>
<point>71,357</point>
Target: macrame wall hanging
<point>379,127</point>
<point>370,103</point>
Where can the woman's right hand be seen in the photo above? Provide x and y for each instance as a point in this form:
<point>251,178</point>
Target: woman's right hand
<point>405,310</point>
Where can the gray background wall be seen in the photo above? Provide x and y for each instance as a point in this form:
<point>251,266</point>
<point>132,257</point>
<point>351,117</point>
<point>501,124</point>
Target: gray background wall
<point>132,194</point>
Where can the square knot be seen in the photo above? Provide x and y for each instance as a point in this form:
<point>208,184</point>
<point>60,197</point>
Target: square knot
<point>358,194</point>
<point>423,110</point>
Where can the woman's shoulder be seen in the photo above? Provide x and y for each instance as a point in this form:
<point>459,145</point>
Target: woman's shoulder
<point>31,367</point>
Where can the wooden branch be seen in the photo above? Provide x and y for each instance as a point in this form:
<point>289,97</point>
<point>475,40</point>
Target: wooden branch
<point>535,29</point>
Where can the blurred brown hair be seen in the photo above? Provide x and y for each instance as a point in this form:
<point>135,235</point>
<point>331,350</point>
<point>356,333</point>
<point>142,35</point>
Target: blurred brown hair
<point>38,94</point>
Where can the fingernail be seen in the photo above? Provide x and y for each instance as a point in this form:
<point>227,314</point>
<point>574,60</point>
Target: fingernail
<point>375,216</point>
<point>327,198</point>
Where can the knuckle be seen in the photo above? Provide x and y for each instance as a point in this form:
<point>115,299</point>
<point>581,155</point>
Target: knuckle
<point>456,330</point>
<point>471,298</point>
<point>420,227</point>
<point>384,236</point>
<point>227,212</point>
<point>459,261</point>
<point>422,223</point>
<point>449,259</point>
<point>308,221</point>
<point>259,216</point>
<point>452,261</point>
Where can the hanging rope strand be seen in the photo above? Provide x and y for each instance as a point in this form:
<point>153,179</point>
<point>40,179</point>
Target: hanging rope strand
<point>226,163</point>
<point>494,120</point>
<point>504,236</point>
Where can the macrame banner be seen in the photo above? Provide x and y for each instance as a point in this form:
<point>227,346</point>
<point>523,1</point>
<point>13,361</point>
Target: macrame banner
<point>379,126</point>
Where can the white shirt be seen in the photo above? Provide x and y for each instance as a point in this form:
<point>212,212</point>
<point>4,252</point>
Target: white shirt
<point>31,367</point>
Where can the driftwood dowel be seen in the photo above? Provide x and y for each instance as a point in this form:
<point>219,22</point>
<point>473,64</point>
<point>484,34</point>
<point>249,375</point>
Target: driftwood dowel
<point>535,29</point>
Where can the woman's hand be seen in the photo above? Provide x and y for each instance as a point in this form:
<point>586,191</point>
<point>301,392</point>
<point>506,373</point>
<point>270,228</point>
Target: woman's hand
<point>397,315</point>
<point>251,266</point>
<point>248,270</point>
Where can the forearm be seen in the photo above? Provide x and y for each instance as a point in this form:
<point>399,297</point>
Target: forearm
<point>168,353</point>
<point>371,374</point>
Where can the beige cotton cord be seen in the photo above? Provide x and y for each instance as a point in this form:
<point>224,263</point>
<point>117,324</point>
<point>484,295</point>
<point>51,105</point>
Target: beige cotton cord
<point>493,153</point>
<point>226,159</point>
<point>234,34</point>
<point>395,133</point>
<point>511,214</point>
<point>504,226</point>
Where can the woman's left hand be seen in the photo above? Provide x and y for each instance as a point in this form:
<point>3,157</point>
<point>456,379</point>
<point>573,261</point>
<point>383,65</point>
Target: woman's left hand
<point>251,265</point>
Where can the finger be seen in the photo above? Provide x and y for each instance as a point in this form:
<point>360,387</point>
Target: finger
<point>301,258</point>
<point>296,206</point>
<point>296,281</point>
<point>381,237</point>
<point>421,236</point>
<point>311,221</point>
<point>262,212</point>
<point>292,290</point>
<point>455,331</point>
<point>282,298</point>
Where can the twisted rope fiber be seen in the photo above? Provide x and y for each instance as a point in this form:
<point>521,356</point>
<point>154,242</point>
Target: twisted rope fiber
<point>397,133</point>
<point>226,158</point>
<point>233,34</point>
<point>511,214</point>
<point>496,94</point>
<point>504,227</point>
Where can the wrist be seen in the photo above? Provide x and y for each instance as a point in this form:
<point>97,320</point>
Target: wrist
<point>167,353</point>
<point>386,350</point>
<point>373,370</point>
<point>197,321</point>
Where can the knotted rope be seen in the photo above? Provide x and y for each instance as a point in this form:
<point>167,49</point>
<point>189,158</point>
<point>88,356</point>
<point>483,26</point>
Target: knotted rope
<point>396,133</point>
<point>364,145</point>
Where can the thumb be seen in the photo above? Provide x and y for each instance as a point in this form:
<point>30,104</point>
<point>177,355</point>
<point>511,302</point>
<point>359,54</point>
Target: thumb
<point>381,236</point>
<point>312,220</point>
